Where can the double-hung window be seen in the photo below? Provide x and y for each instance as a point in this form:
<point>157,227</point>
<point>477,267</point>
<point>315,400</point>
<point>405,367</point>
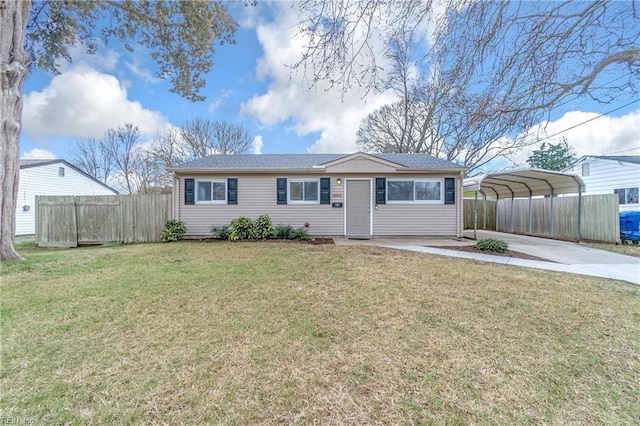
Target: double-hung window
<point>303,191</point>
<point>211,191</point>
<point>627,195</point>
<point>414,191</point>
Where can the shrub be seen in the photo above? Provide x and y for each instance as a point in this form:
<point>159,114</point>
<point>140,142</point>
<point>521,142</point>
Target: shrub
<point>221,232</point>
<point>173,230</point>
<point>242,229</point>
<point>282,232</point>
<point>299,234</point>
<point>286,232</point>
<point>492,245</point>
<point>262,227</point>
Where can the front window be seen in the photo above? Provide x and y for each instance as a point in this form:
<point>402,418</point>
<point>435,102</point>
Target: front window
<point>420,191</point>
<point>627,195</point>
<point>211,191</point>
<point>303,191</point>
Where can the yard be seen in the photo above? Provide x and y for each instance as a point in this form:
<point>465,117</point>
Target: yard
<point>247,333</point>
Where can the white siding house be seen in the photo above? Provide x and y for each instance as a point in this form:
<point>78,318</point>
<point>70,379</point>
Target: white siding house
<point>50,177</point>
<point>611,175</point>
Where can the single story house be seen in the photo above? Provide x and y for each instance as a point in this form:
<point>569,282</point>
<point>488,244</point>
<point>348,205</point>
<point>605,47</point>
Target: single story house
<point>50,177</point>
<point>611,174</point>
<point>354,195</point>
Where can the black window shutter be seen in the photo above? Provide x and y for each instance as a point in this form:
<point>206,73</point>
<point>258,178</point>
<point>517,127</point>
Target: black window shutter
<point>281,189</point>
<point>449,190</point>
<point>325,191</point>
<point>381,190</point>
<point>189,193</point>
<point>232,191</point>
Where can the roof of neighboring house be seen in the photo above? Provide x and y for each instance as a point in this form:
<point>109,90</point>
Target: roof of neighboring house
<point>308,161</point>
<point>626,158</point>
<point>25,164</point>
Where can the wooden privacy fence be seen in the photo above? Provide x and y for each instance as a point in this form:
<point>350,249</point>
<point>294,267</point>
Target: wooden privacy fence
<point>599,219</point>
<point>69,221</point>
<point>486,214</point>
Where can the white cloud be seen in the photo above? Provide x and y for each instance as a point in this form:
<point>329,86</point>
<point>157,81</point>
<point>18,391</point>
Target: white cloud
<point>220,99</point>
<point>256,145</point>
<point>602,136</point>
<point>334,115</point>
<point>83,102</point>
<point>38,154</point>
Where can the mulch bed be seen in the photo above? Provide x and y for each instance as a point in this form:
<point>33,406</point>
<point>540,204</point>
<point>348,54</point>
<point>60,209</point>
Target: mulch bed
<point>316,241</point>
<point>508,253</point>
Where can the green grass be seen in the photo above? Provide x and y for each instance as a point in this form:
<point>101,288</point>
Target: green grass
<point>247,333</point>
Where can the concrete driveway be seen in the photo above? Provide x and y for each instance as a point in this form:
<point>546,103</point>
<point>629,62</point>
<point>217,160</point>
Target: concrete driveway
<point>563,256</point>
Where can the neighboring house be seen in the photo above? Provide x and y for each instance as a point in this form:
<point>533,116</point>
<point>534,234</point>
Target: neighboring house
<point>609,174</point>
<point>50,177</point>
<point>356,195</point>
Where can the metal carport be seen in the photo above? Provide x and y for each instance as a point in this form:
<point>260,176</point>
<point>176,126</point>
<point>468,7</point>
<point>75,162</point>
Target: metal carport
<point>523,183</point>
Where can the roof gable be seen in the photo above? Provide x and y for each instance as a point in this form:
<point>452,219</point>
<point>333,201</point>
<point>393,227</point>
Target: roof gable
<point>26,164</point>
<point>361,162</point>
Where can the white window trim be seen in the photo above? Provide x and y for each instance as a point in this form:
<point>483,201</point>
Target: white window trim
<point>290,201</point>
<point>211,201</point>
<point>625,195</point>
<point>414,201</point>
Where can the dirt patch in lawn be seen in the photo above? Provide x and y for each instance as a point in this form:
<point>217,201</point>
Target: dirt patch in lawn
<point>508,253</point>
<point>317,241</point>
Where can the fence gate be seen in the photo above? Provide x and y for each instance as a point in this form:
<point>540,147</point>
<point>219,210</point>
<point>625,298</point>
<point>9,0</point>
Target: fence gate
<point>69,221</point>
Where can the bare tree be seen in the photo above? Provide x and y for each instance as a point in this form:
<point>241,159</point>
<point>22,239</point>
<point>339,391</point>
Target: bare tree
<point>231,138</point>
<point>198,137</point>
<point>487,71</point>
<point>120,146</point>
<point>204,137</point>
<point>90,156</point>
<point>542,51</point>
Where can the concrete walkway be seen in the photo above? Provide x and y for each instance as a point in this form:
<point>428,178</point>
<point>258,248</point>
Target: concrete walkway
<point>569,257</point>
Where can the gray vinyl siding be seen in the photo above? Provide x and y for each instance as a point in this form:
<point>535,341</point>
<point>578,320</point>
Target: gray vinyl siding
<point>409,219</point>
<point>257,196</point>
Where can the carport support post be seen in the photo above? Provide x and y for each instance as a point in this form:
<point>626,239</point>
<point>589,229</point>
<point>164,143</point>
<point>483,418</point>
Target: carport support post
<point>579,227</point>
<point>552,216</point>
<point>512,202</point>
<point>484,211</point>
<point>475,216</point>
<point>530,216</point>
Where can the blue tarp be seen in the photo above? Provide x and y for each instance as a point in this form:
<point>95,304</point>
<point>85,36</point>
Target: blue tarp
<point>630,226</point>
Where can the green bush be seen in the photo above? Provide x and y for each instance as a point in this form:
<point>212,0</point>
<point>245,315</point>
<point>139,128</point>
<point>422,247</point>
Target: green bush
<point>221,232</point>
<point>286,232</point>
<point>262,227</point>
<point>299,234</point>
<point>492,245</point>
<point>242,229</point>
<point>173,230</point>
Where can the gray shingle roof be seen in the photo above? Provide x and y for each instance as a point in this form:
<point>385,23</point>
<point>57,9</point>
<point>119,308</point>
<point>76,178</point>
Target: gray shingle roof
<point>306,161</point>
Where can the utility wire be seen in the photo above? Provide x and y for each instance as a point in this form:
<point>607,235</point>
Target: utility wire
<point>587,121</point>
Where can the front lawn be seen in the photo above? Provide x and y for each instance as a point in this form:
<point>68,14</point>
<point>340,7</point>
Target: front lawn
<point>247,333</point>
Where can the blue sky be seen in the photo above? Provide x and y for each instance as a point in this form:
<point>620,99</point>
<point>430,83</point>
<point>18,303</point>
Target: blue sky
<point>249,84</point>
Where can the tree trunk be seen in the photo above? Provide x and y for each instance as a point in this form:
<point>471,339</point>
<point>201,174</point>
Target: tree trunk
<point>13,71</point>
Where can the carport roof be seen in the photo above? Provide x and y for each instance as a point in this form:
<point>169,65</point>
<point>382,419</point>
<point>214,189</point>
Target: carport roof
<point>524,183</point>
